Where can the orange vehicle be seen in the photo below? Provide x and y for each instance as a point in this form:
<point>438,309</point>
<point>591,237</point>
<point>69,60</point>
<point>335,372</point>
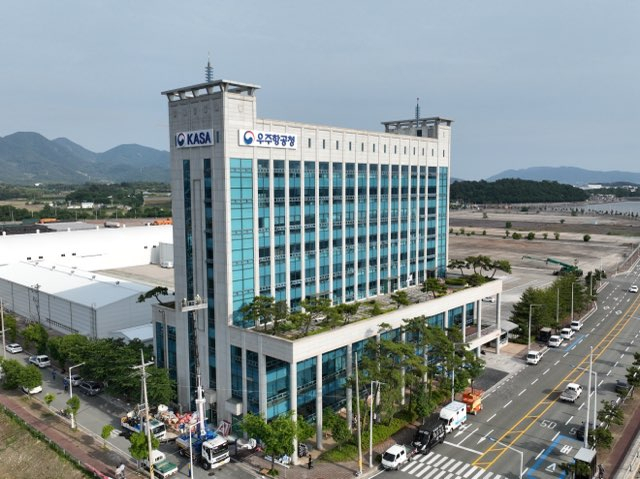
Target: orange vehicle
<point>473,399</point>
<point>163,221</point>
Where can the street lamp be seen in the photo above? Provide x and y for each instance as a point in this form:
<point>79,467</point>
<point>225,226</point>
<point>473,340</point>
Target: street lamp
<point>73,423</point>
<point>531,306</point>
<point>514,450</point>
<point>4,347</point>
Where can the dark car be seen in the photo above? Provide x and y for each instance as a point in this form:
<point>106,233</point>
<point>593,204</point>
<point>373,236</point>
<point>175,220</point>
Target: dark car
<point>90,388</point>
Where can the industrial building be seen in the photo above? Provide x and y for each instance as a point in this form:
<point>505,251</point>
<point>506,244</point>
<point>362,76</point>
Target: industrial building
<point>292,211</point>
<point>60,280</point>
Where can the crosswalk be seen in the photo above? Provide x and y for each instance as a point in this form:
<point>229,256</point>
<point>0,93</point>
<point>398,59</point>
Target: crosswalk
<point>436,466</point>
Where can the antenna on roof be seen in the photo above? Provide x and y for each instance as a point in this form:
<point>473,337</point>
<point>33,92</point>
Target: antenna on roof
<point>208,70</point>
<point>418,112</point>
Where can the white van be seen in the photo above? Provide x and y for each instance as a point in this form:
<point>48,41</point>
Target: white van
<point>534,357</point>
<point>555,341</point>
<point>453,415</point>
<point>576,325</point>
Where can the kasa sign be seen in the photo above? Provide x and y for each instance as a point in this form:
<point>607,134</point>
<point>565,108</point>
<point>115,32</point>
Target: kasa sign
<point>189,139</point>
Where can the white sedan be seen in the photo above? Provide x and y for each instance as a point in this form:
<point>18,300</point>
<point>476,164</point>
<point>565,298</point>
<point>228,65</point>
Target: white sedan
<point>36,390</point>
<point>13,348</point>
<point>633,289</point>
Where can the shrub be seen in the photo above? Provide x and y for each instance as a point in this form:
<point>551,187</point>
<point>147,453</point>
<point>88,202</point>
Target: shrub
<point>508,225</point>
<point>556,235</point>
<point>484,232</point>
<point>586,238</point>
<point>545,235</point>
<point>516,235</point>
<point>531,235</point>
<point>455,281</point>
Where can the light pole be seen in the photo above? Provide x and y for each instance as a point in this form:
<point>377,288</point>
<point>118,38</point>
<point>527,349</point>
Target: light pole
<point>514,450</point>
<point>4,347</point>
<point>190,454</point>
<point>531,306</point>
<point>373,401</point>
<point>73,423</point>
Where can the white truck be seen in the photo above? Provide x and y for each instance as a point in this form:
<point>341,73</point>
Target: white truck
<point>396,456</point>
<point>210,451</point>
<point>571,392</point>
<point>133,422</point>
<point>162,468</point>
<point>453,415</point>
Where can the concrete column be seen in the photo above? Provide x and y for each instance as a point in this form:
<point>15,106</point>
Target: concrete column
<point>319,402</point>
<point>464,323</point>
<point>245,398</point>
<point>262,381</point>
<point>349,390</point>
<point>293,403</point>
<point>478,311</point>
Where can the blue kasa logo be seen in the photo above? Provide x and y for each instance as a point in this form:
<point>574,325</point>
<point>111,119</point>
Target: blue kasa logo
<point>248,137</point>
<point>180,139</point>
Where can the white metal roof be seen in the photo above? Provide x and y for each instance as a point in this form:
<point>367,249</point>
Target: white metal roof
<point>81,287</point>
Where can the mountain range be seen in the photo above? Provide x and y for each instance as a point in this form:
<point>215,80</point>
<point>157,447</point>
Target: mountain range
<point>569,175</point>
<point>28,158</point>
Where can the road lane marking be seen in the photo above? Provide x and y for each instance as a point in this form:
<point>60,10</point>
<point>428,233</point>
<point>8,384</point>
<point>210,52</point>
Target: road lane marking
<point>521,392</point>
<point>554,437</point>
<point>568,420</point>
<point>469,435</point>
<point>507,404</point>
<point>492,417</point>
<point>546,371</point>
<point>535,381</point>
<point>463,448</point>
<point>556,363</point>
<point>539,454</point>
<point>483,438</point>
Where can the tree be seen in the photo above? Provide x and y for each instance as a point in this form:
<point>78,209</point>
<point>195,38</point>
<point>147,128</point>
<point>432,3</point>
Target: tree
<point>633,376</point>
<point>280,315</point>
<point>73,405</point>
<point>277,436</point>
<point>610,413</point>
<point>348,311</point>
<point>401,298</point>
<point>154,293</point>
<point>556,235</point>
<point>161,389</point>
<point>457,264</point>
<point>105,434</point>
<point>602,437</point>
<point>260,311</point>
<point>36,334</point>
<point>508,225</point>
<point>30,377</point>
<point>11,327</point>
<point>479,263</point>
<point>315,309</point>
<point>62,347</point>
<point>500,264</point>
<point>437,287</point>
<point>48,399</point>
<point>586,238</point>
<point>305,429</point>
<point>531,235</point>
<point>12,370</point>
<point>516,235</point>
<point>139,448</point>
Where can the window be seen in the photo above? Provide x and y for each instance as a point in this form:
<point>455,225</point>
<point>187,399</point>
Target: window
<point>308,142</point>
<point>395,149</point>
<point>337,145</point>
<point>423,152</point>
<point>323,144</point>
<point>374,147</point>
<point>349,146</point>
<point>384,148</point>
<point>443,153</point>
<point>414,151</point>
<point>217,136</point>
<point>432,153</point>
<point>361,146</point>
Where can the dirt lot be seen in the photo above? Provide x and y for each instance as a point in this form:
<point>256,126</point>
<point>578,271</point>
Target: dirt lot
<point>24,457</point>
<point>612,240</point>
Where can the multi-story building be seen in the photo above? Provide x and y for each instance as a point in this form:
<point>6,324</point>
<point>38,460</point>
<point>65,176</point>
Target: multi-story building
<point>293,211</point>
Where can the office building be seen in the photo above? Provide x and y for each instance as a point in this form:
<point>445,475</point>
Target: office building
<point>292,211</point>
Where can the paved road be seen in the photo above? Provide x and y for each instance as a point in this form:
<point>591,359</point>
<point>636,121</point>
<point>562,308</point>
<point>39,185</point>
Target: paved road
<point>523,418</point>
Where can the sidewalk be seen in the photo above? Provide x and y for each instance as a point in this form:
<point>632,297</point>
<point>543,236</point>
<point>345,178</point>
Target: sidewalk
<point>83,447</point>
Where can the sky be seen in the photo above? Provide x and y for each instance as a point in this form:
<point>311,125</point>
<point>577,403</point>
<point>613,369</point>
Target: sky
<point>527,83</point>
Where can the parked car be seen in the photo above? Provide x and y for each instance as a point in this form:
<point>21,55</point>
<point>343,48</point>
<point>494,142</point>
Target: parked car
<point>74,379</point>
<point>13,348</point>
<point>567,333</point>
<point>489,299</point>
<point>36,390</point>
<point>90,388</point>
<point>41,360</point>
<point>576,325</point>
<point>555,341</point>
<point>633,289</point>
